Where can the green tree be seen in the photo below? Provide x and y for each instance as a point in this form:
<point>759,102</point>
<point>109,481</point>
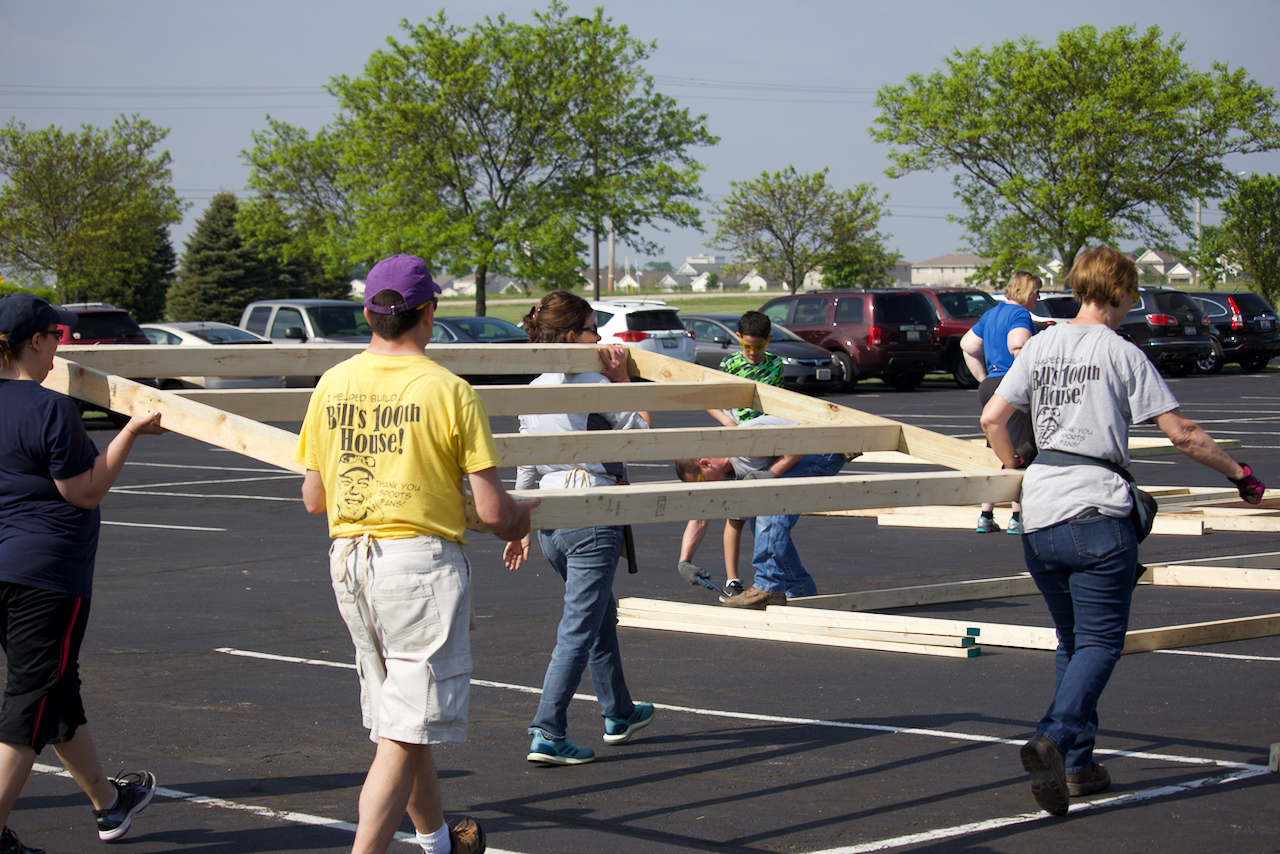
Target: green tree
<point>787,225</point>
<point>465,145</point>
<point>1099,137</point>
<point>859,264</point>
<point>1211,256</point>
<point>220,274</point>
<point>83,206</point>
<point>659,266</point>
<point>1252,225</point>
<point>143,286</point>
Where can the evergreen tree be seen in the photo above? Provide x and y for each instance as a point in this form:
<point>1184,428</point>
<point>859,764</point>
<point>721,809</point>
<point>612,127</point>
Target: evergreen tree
<point>220,274</point>
<point>143,287</point>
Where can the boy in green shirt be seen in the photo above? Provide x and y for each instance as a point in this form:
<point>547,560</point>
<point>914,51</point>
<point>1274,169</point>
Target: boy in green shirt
<point>753,363</point>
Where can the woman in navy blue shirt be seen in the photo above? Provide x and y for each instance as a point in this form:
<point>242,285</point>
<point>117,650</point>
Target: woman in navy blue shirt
<point>51,481</point>
<point>989,350</point>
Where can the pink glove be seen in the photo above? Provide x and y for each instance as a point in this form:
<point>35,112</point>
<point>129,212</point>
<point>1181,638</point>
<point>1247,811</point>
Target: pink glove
<point>1250,487</point>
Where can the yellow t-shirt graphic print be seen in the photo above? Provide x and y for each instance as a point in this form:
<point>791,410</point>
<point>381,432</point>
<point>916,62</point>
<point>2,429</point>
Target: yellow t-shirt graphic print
<point>391,437</point>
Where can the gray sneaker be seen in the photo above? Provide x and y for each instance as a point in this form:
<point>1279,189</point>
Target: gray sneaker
<point>133,793</point>
<point>733,587</point>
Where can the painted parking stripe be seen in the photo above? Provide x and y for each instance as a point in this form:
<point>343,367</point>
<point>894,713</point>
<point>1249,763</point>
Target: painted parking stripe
<point>1218,655</point>
<point>165,527</point>
<point>758,718</point>
<point>253,809</point>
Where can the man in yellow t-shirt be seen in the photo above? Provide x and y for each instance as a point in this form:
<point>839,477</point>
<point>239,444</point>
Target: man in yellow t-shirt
<point>388,438</point>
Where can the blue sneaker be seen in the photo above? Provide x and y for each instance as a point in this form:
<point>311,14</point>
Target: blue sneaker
<point>620,730</point>
<point>563,752</point>
<point>1015,527</point>
<point>987,525</point>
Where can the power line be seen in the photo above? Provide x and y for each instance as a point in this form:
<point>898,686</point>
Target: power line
<point>159,91</point>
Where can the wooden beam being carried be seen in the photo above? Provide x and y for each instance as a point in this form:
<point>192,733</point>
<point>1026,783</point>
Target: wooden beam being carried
<point>670,444</point>
<point>257,441</point>
<point>230,360</point>
<point>678,502</point>
<point>291,404</point>
<point>933,447</point>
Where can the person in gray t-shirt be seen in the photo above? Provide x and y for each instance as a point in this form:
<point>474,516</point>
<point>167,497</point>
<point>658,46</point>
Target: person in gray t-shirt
<point>1084,387</point>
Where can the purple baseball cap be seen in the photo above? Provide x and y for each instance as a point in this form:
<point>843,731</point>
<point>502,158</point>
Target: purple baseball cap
<point>23,315</point>
<point>406,275</point>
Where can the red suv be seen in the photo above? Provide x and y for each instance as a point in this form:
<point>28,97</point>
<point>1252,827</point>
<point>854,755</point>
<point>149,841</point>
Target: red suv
<point>957,309</point>
<point>870,333</point>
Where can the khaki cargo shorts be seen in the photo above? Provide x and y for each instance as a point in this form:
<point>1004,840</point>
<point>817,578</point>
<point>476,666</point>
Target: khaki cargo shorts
<point>407,605</point>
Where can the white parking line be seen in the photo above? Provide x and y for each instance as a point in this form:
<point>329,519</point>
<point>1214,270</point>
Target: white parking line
<point>166,527</point>
<point>1233,771</point>
<point>216,481</point>
<point>131,491</point>
<point>1219,655</point>
<point>207,468</point>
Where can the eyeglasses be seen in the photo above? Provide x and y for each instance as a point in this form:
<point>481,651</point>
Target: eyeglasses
<point>588,329</point>
<point>754,348</point>
<point>1137,295</point>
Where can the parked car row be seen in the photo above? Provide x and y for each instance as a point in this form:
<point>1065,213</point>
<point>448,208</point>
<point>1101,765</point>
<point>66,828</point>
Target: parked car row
<point>828,340</point>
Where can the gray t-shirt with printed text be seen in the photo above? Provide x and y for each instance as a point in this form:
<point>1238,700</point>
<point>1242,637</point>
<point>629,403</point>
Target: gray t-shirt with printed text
<point>1084,386</point>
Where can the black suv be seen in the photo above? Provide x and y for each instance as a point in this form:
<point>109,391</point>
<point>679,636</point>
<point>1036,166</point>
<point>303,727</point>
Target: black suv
<point>1243,330</point>
<point>101,323</point>
<point>1170,328</point>
<point>870,333</point>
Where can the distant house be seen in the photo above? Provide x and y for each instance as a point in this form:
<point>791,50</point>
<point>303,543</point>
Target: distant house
<point>1164,264</point>
<point>945,270</point>
<point>638,280</point>
<point>493,284</point>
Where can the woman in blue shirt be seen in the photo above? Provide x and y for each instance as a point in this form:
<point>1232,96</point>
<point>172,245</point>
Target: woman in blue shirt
<point>989,350</point>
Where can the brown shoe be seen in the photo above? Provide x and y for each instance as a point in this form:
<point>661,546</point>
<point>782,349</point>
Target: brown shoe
<point>1043,762</point>
<point>466,837</point>
<point>1090,781</point>
<point>754,598</point>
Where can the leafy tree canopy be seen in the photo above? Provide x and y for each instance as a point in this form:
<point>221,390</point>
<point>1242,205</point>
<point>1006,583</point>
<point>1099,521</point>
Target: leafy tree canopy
<point>143,286</point>
<point>659,266</point>
<point>1099,137</point>
<point>786,225</point>
<point>476,146</point>
<point>83,206</point>
<point>1211,256</point>
<point>1252,226</point>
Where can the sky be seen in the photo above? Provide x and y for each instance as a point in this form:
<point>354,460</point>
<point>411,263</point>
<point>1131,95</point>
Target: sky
<point>781,83</point>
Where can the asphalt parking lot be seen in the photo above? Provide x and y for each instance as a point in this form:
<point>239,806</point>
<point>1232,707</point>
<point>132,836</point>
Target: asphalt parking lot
<point>215,658</point>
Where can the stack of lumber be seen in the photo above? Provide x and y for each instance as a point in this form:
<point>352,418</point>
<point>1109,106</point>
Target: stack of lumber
<point>807,625</point>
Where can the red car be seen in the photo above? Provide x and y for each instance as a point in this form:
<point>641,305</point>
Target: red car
<point>957,309</point>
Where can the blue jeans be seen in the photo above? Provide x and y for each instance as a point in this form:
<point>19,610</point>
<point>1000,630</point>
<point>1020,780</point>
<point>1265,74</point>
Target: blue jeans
<point>774,556</point>
<point>586,558</point>
<point>1085,570</point>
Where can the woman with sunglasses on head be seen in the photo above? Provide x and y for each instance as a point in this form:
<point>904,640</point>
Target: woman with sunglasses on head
<point>585,558</point>
<point>52,479</point>
<point>1084,387</point>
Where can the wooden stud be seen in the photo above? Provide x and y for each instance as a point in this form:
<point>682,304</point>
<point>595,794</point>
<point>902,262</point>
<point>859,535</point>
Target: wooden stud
<point>669,444</point>
<point>677,502</point>
<point>924,594</point>
<point>257,441</point>
<point>1195,634</point>
<point>229,360</point>
<point>1214,576</point>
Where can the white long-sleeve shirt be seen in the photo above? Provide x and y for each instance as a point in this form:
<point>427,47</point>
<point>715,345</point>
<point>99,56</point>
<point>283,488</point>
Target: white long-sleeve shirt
<point>571,475</point>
